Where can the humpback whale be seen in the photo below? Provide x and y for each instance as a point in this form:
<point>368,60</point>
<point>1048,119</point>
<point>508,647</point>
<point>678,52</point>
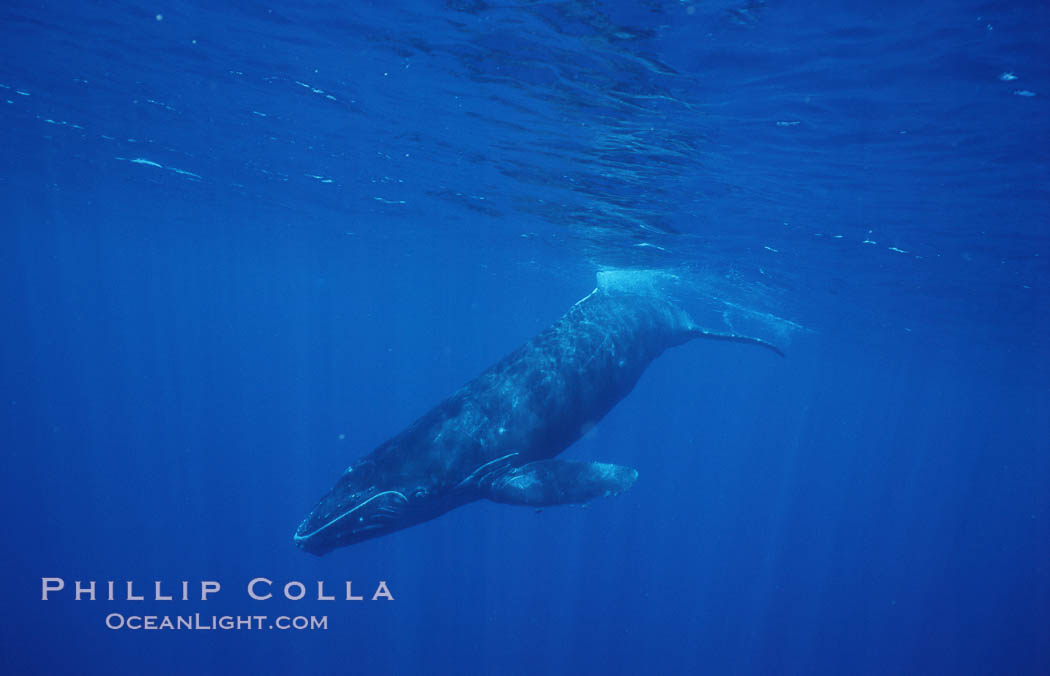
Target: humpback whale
<point>498,435</point>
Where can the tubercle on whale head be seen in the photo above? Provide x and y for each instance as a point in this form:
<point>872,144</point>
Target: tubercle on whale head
<point>359,507</point>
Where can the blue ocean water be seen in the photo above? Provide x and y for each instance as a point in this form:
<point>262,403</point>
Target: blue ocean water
<point>245,244</point>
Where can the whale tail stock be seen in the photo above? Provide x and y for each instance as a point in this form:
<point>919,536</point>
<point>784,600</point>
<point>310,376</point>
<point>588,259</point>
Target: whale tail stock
<point>664,285</point>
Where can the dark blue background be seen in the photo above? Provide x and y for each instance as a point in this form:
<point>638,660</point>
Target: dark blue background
<point>190,359</point>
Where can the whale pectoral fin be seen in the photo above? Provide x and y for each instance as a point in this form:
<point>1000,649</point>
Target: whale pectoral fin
<point>559,482</point>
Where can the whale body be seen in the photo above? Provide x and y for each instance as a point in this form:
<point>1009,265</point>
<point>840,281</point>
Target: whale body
<point>498,435</point>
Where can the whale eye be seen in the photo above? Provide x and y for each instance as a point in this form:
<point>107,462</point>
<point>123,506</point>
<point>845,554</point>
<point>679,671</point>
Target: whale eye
<point>420,493</point>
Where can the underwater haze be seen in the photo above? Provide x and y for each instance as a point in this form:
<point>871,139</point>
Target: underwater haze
<point>244,244</point>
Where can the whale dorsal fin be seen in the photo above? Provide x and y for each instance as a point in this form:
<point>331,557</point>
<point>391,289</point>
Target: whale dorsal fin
<point>701,333</point>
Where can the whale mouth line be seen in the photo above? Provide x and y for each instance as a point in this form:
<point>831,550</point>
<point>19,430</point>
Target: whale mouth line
<point>306,536</point>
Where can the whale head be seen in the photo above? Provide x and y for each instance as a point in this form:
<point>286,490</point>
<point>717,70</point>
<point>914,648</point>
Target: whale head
<point>362,505</point>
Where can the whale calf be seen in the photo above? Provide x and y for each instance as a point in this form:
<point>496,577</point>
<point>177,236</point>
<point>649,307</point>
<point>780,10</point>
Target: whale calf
<point>498,435</point>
